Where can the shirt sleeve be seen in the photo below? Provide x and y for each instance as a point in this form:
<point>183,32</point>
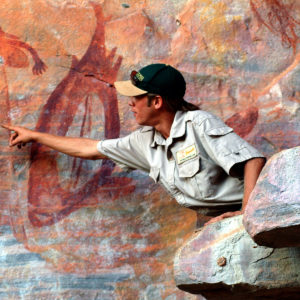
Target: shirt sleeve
<point>127,152</point>
<point>225,147</point>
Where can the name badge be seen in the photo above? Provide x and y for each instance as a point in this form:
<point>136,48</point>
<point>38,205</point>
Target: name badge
<point>186,154</point>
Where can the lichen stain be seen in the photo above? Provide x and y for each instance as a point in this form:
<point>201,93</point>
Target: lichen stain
<point>219,33</point>
<point>209,26</point>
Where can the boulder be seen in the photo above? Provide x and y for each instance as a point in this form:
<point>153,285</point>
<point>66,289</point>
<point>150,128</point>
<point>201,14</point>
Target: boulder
<point>222,262</point>
<point>272,216</point>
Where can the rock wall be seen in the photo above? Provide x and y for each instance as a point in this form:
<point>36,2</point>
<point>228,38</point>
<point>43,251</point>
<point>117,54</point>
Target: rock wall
<point>223,262</point>
<point>272,216</point>
<point>73,229</point>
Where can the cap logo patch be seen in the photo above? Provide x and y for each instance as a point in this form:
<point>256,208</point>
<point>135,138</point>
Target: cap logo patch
<point>139,76</point>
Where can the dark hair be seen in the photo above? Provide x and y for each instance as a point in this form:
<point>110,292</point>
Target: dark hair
<point>172,104</point>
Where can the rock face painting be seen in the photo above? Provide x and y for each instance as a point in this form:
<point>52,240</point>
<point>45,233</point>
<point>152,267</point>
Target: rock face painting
<point>74,228</point>
<point>90,80</point>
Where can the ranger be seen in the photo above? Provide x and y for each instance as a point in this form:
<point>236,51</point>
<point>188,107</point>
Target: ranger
<point>197,158</point>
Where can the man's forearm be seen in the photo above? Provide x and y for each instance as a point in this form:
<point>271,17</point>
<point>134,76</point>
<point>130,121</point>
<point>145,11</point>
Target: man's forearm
<point>252,170</point>
<point>78,147</point>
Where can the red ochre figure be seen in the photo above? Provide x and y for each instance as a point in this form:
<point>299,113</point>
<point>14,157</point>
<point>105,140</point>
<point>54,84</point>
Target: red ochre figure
<point>48,201</point>
<point>14,57</point>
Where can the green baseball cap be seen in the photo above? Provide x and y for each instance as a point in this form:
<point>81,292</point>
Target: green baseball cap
<point>160,79</point>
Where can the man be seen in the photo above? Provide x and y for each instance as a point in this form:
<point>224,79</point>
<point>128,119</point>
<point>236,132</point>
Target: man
<point>198,159</point>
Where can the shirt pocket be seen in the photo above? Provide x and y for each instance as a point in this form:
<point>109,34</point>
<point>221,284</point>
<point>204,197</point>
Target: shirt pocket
<point>227,148</point>
<point>194,179</point>
<point>222,140</point>
<point>219,131</point>
<point>225,140</point>
<point>189,168</point>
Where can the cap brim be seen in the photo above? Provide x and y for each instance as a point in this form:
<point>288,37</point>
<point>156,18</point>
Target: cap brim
<point>126,88</point>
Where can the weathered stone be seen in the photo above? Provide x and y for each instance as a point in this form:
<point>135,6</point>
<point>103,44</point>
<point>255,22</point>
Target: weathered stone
<point>272,216</point>
<point>67,235</point>
<point>222,261</point>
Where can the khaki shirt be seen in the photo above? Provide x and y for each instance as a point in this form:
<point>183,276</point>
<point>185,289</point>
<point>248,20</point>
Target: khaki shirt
<point>195,163</point>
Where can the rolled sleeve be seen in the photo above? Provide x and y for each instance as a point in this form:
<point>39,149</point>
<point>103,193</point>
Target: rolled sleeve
<point>225,147</point>
<point>127,152</point>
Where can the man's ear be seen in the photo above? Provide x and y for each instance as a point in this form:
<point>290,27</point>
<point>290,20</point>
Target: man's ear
<point>158,102</point>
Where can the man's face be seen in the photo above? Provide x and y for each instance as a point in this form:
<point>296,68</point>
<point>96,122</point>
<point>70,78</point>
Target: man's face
<point>144,114</point>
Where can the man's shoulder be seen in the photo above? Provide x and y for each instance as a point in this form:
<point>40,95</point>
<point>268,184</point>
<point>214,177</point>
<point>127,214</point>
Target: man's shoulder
<point>143,134</point>
<point>200,116</point>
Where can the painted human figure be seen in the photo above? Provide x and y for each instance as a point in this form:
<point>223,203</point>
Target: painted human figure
<point>88,83</point>
<point>11,51</point>
<point>12,55</point>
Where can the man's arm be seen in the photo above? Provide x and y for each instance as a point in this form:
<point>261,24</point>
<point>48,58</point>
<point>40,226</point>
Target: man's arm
<point>252,170</point>
<point>78,147</point>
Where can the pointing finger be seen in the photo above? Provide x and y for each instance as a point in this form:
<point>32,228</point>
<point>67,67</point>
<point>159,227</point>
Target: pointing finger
<point>9,127</point>
<point>6,126</point>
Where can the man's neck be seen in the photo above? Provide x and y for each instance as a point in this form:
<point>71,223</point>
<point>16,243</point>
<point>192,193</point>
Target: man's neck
<point>164,123</point>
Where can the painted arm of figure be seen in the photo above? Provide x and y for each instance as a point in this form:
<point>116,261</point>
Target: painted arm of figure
<point>77,147</point>
<point>39,66</point>
<point>252,170</point>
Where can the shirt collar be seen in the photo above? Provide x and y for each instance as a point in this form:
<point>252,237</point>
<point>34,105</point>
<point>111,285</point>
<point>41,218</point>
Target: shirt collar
<point>179,125</point>
<point>178,129</point>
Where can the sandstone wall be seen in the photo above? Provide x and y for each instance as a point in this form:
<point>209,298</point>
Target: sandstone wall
<point>72,229</point>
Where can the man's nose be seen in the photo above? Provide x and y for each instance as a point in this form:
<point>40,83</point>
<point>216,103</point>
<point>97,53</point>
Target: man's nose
<point>131,102</point>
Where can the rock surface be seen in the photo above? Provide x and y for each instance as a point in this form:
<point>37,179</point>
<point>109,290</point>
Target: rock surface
<point>272,216</point>
<point>74,229</point>
<point>223,262</point>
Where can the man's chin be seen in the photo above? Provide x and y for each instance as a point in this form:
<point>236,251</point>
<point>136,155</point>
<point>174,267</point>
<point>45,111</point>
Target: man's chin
<point>142,123</point>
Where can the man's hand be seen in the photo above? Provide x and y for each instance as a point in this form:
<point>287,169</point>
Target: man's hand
<point>228,214</point>
<point>20,135</point>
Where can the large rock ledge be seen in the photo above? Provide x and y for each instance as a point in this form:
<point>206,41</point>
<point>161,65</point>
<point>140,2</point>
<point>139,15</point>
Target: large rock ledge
<point>272,216</point>
<point>223,262</point>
